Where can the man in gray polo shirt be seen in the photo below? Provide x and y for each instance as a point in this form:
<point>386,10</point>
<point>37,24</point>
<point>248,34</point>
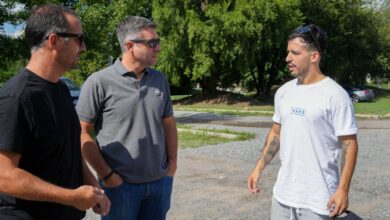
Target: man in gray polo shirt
<point>128,107</point>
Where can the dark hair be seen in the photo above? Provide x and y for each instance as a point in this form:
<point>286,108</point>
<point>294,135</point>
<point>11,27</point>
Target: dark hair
<point>44,20</point>
<point>312,35</point>
<point>130,27</point>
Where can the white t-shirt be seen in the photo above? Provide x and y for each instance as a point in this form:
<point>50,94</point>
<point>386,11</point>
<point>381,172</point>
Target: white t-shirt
<point>311,118</point>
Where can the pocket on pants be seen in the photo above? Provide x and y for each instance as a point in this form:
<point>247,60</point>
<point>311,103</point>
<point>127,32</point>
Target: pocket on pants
<point>166,184</point>
<point>104,187</point>
<point>168,180</point>
<point>169,177</point>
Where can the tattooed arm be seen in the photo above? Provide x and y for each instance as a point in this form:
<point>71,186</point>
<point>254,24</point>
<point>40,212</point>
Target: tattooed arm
<point>338,203</point>
<point>269,151</point>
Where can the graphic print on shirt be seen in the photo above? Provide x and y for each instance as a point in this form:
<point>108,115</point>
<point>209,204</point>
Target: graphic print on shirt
<point>298,111</point>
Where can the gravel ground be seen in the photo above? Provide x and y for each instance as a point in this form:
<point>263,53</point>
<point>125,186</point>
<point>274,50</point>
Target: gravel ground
<point>211,180</point>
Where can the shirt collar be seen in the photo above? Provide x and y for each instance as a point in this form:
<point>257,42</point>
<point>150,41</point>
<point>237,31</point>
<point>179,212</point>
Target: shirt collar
<point>120,69</point>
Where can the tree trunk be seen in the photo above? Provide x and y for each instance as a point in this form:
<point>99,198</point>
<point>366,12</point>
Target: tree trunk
<point>261,77</point>
<point>209,84</point>
<point>273,73</point>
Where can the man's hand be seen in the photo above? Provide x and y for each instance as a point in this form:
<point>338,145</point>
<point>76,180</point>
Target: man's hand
<point>338,203</point>
<point>86,197</point>
<point>172,166</point>
<point>252,182</point>
<point>114,181</point>
<point>103,206</point>
<point>270,149</point>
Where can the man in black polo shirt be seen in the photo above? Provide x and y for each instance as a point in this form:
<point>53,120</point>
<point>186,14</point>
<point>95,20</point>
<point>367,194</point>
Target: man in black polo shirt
<point>42,172</point>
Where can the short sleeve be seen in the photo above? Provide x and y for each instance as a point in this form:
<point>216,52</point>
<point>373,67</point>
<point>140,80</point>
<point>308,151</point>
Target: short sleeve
<point>89,103</point>
<point>344,120</point>
<point>168,108</point>
<point>276,116</point>
<point>14,127</point>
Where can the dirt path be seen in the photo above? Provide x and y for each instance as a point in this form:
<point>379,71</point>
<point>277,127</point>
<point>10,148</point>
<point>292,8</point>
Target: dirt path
<point>209,186</point>
<point>215,188</point>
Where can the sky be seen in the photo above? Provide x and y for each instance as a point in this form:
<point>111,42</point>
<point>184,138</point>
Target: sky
<point>13,30</point>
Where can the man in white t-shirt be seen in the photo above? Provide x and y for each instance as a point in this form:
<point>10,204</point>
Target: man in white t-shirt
<point>314,122</point>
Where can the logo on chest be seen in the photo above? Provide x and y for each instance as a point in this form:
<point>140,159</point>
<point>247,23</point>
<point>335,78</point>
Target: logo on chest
<point>298,111</point>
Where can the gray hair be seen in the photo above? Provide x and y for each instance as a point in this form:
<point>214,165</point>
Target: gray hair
<point>130,27</point>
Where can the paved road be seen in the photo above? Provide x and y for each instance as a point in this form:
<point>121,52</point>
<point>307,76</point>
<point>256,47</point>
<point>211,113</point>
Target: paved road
<point>211,181</point>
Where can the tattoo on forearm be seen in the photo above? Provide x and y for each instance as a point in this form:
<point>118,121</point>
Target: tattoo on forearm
<point>344,148</point>
<point>273,148</point>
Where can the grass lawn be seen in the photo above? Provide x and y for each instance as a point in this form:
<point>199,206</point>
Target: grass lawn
<point>229,109</point>
<point>196,137</point>
<point>380,106</point>
<point>178,97</point>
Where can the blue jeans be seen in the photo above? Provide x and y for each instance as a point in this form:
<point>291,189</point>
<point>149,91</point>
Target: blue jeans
<point>140,201</point>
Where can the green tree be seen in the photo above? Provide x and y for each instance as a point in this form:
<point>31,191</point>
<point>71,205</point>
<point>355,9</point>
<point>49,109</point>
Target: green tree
<point>100,19</point>
<point>217,43</point>
<point>265,47</point>
<point>354,42</point>
<point>384,31</point>
<point>14,51</point>
<point>224,43</point>
<point>175,55</point>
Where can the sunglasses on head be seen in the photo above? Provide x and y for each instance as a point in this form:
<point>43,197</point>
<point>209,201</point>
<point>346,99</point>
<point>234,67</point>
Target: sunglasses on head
<point>80,37</point>
<point>152,43</point>
<point>307,29</point>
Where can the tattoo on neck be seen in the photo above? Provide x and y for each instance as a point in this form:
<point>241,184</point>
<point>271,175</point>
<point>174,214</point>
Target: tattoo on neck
<point>271,151</point>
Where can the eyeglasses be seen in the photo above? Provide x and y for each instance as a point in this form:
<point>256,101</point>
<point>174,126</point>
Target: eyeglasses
<point>80,37</point>
<point>152,43</point>
<point>307,29</point>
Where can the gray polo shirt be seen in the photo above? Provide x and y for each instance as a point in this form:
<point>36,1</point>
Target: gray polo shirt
<point>128,114</point>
